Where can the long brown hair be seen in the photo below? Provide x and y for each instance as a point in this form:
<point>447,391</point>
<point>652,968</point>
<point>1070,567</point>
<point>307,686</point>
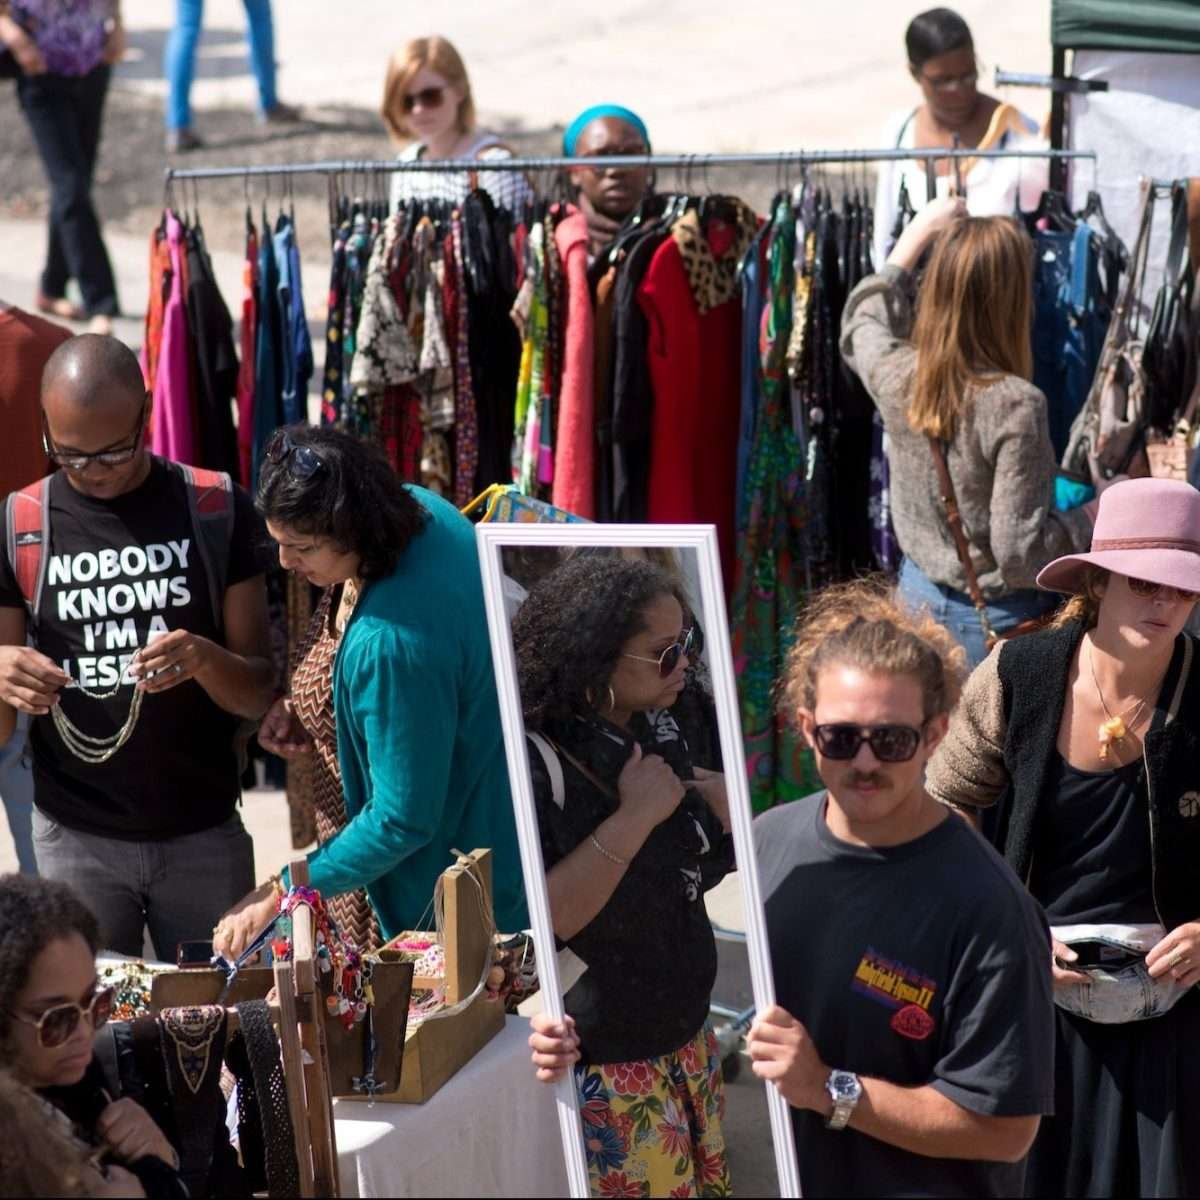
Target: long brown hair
<point>1084,605</point>
<point>439,54</point>
<point>973,319</point>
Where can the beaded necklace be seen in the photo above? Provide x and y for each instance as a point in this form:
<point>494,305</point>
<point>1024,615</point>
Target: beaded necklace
<point>93,749</point>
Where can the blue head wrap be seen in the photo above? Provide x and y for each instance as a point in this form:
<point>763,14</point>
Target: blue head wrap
<point>597,111</point>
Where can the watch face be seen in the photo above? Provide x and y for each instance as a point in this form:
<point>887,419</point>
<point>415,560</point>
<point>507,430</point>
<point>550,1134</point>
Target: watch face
<point>844,1086</point>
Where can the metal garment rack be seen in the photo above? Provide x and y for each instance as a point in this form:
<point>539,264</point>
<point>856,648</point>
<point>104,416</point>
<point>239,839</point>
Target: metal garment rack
<point>685,162</point>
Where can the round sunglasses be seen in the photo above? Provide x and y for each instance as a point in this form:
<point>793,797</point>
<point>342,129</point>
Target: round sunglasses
<point>1147,590</point>
<point>55,1026</point>
<point>668,660</point>
<point>889,743</point>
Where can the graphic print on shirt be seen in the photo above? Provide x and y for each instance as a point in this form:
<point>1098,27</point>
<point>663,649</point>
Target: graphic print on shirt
<point>897,986</point>
<point>103,597</point>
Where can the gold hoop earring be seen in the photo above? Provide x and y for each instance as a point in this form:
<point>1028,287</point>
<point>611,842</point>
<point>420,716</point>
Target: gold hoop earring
<point>612,700</point>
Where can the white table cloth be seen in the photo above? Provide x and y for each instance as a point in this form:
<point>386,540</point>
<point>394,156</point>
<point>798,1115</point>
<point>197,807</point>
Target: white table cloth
<point>491,1131</point>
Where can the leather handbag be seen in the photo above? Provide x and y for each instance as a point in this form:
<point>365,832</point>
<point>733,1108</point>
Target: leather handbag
<point>1107,435</point>
<point>962,549</point>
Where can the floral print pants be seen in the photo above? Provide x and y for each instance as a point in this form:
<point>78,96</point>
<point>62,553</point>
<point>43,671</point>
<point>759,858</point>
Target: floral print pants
<point>653,1127</point>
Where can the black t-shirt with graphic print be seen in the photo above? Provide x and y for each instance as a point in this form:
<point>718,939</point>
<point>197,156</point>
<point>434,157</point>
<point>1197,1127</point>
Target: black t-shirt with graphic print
<point>924,963</point>
<point>118,572</point>
<point>650,954</point>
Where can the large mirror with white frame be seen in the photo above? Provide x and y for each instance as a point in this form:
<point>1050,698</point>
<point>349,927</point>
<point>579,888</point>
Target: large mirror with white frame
<point>621,724</point>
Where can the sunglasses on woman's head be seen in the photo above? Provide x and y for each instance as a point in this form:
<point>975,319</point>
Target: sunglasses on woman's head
<point>55,1026</point>
<point>668,660</point>
<point>1147,590</point>
<point>430,97</point>
<point>303,462</point>
<point>889,743</point>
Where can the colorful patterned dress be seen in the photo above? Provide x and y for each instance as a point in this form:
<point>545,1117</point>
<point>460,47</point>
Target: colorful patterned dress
<point>771,558</point>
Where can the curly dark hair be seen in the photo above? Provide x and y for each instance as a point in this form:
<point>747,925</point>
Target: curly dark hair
<point>33,913</point>
<point>569,632</point>
<point>354,497</point>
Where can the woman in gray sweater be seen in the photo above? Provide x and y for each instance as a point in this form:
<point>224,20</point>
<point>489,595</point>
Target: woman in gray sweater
<point>959,374</point>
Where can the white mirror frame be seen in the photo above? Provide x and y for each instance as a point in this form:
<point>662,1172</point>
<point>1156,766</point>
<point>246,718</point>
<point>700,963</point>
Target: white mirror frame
<point>703,539</point>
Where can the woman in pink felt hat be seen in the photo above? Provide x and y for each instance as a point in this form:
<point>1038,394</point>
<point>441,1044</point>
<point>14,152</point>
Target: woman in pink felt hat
<point>1087,737</point>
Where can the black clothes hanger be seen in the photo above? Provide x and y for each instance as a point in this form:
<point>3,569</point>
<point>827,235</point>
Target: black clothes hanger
<point>1052,208</point>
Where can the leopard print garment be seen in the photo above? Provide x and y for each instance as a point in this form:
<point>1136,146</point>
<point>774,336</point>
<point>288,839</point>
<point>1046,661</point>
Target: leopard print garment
<point>312,700</point>
<point>713,281</point>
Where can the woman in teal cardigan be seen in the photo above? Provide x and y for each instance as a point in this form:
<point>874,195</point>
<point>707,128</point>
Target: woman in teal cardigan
<point>419,741</point>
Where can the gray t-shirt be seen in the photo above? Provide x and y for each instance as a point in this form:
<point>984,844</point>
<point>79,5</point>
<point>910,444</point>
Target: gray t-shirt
<point>924,963</point>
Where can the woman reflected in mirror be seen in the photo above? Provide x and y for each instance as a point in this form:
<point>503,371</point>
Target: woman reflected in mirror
<point>633,834</point>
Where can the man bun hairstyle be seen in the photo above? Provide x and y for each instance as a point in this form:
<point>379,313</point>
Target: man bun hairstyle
<point>863,625</point>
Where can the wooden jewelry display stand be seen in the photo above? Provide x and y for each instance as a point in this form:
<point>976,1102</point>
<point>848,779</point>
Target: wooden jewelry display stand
<point>439,1046</point>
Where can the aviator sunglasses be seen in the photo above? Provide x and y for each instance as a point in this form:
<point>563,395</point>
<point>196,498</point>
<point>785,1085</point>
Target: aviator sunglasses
<point>1147,590</point>
<point>889,743</point>
<point>303,462</point>
<point>668,660</point>
<point>430,97</point>
<point>55,1026</point>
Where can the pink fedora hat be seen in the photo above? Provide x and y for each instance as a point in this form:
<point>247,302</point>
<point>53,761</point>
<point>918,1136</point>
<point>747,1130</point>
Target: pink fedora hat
<point>1146,528</point>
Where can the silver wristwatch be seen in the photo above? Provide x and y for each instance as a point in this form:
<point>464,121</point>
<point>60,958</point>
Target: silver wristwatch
<point>844,1090</point>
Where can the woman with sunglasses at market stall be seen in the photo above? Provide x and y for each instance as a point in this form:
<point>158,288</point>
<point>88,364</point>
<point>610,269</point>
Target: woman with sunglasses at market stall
<point>1090,732</point>
<point>429,109</point>
<point>404,688</point>
<point>632,837</point>
<point>51,1005</point>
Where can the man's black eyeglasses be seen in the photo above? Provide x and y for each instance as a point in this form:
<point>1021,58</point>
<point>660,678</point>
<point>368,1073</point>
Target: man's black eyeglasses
<point>303,462</point>
<point>889,743</point>
<point>117,456</point>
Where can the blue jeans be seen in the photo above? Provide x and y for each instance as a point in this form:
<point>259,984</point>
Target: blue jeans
<point>179,58</point>
<point>954,609</point>
<point>16,791</point>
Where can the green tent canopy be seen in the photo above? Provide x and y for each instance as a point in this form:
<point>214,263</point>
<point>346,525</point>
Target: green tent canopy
<point>1155,26</point>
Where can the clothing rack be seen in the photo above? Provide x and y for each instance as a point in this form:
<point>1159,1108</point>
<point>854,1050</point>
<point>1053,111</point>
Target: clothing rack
<point>686,162</point>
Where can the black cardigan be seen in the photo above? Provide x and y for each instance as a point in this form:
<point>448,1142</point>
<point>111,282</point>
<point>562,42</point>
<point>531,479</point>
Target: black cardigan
<point>1033,674</point>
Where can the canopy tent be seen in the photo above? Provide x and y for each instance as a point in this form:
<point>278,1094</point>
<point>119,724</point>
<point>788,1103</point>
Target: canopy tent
<point>1152,26</point>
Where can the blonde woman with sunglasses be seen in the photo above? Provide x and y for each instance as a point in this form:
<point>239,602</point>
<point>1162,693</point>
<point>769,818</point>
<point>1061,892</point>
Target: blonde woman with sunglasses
<point>429,109</point>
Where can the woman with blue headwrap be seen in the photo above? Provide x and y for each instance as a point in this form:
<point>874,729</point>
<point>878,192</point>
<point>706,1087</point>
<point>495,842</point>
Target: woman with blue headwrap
<point>607,196</point>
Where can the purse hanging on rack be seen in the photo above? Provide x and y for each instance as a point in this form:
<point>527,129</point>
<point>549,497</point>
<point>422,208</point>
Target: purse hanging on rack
<point>1107,435</point>
<point>963,550</point>
<point>1171,456</point>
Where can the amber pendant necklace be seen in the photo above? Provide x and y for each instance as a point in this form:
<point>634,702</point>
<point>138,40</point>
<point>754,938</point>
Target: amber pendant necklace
<point>1112,729</point>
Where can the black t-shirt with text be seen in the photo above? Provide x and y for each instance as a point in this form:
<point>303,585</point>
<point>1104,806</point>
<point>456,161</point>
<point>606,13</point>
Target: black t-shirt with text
<point>117,573</point>
<point>924,963</point>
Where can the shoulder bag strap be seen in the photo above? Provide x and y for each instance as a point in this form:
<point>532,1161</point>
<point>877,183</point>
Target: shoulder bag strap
<point>587,773</point>
<point>963,550</point>
<point>558,783</point>
<point>1193,210</point>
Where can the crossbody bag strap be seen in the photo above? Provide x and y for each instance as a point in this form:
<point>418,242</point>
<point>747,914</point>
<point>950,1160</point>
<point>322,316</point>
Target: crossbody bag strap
<point>961,547</point>
<point>586,772</point>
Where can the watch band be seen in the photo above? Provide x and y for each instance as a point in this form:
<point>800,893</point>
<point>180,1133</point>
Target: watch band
<point>845,1090</point>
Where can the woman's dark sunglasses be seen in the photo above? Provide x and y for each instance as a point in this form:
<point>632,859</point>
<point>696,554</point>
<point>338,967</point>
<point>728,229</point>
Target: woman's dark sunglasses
<point>668,660</point>
<point>430,97</point>
<point>889,743</point>
<point>55,1026</point>
<point>303,462</point>
<point>1147,590</point>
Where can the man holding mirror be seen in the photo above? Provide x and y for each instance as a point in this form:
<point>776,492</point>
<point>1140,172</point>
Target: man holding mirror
<point>633,834</point>
<point>914,1034</point>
